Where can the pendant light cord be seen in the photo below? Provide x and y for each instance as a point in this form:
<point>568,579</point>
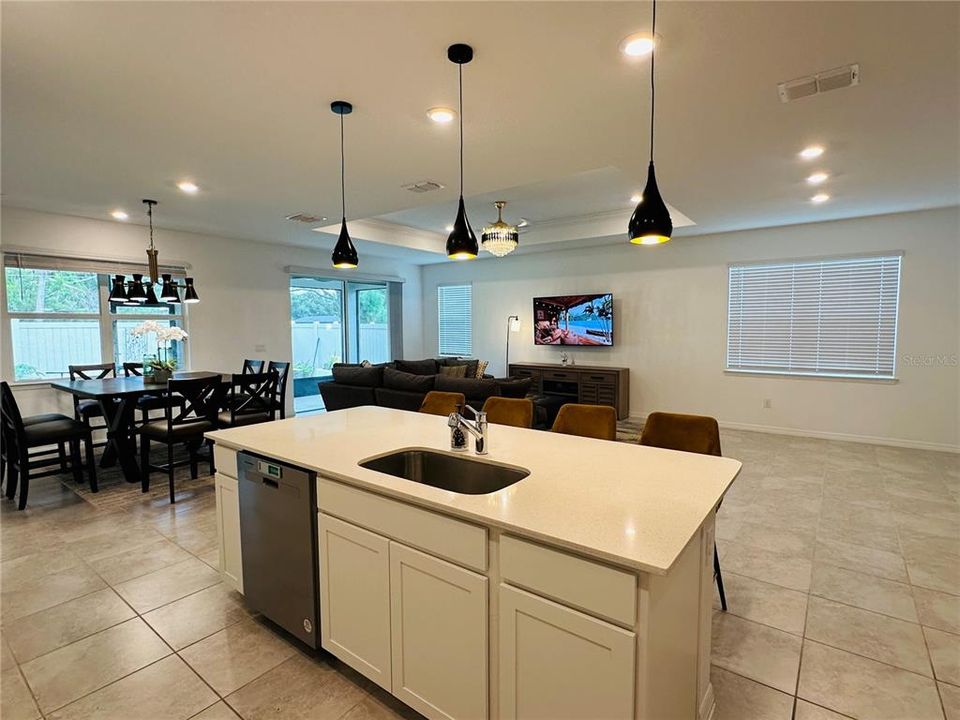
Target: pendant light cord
<point>343,186</point>
<point>653,87</point>
<point>460,74</point>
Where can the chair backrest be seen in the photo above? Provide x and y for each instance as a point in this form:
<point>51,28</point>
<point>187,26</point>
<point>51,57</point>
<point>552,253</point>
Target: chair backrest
<point>509,411</point>
<point>442,403</point>
<point>92,372</point>
<point>12,420</point>
<point>252,394</point>
<point>689,433</point>
<point>592,421</point>
<point>202,398</point>
<point>131,369</point>
<point>283,371</point>
<point>252,366</point>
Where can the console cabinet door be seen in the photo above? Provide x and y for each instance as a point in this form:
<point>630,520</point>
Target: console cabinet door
<point>228,531</point>
<point>439,618</point>
<point>560,664</point>
<point>355,597</point>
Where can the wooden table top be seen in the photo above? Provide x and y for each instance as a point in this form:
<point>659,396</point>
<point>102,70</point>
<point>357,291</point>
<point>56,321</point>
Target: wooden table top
<point>126,386</point>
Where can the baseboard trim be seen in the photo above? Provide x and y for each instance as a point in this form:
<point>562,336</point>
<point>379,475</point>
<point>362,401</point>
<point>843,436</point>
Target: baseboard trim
<point>823,435</point>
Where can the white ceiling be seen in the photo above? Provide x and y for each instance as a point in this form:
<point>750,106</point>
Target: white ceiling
<point>105,103</point>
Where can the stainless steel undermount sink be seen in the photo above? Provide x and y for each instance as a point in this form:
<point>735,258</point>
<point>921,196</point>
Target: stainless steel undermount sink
<point>445,471</point>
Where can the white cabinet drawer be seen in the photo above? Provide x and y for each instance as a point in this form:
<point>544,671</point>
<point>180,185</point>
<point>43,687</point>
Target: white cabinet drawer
<point>225,460</point>
<point>594,588</point>
<point>460,542</point>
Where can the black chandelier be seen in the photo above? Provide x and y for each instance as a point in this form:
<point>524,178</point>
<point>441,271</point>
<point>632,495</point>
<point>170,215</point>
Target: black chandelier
<point>142,292</point>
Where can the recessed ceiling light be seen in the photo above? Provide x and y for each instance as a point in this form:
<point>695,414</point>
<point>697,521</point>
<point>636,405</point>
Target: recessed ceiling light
<point>637,45</point>
<point>441,115</point>
<point>811,152</point>
<point>817,178</point>
<point>636,198</point>
<point>449,228</point>
<point>119,215</point>
<point>819,198</point>
<point>188,187</point>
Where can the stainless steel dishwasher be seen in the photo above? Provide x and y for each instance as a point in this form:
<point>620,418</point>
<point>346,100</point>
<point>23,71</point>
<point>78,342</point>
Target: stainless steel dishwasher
<point>278,542</point>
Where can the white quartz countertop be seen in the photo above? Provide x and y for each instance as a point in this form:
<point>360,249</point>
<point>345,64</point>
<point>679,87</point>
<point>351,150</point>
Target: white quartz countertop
<point>633,506</point>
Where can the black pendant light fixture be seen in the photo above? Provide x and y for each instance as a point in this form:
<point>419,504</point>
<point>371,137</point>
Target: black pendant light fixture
<point>461,243</point>
<point>651,223</point>
<point>140,291</point>
<point>344,253</point>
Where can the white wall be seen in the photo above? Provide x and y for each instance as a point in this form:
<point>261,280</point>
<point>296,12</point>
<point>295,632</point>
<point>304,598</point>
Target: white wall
<point>244,290</point>
<point>670,325</point>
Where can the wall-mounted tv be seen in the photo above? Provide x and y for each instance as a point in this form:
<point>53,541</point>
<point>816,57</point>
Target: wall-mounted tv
<point>585,320</point>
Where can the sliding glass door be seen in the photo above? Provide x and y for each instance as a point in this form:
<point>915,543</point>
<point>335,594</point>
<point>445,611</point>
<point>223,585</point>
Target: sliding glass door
<point>335,321</point>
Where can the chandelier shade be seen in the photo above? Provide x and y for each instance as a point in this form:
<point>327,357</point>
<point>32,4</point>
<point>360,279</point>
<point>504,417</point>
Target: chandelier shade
<point>500,238</point>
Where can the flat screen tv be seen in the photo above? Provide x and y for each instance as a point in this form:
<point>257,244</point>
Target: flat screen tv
<point>585,320</point>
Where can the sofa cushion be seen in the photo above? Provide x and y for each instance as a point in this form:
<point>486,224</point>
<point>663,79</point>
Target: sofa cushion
<point>515,387</point>
<point>409,382</point>
<point>471,365</point>
<point>399,399</point>
<point>472,388</point>
<point>454,371</point>
<point>417,367</point>
<point>339,397</point>
<point>358,375</point>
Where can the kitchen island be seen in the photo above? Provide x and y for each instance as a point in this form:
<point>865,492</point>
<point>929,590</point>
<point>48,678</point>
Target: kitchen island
<point>584,590</point>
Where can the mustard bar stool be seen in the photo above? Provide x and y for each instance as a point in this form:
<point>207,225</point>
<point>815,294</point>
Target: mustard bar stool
<point>592,421</point>
<point>517,412</point>
<point>687,433</point>
<point>442,403</point>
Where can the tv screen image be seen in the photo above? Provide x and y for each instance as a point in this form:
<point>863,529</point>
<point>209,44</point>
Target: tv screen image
<point>585,320</point>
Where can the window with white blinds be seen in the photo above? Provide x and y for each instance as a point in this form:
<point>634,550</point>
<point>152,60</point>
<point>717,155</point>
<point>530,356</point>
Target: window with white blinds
<point>834,317</point>
<point>455,312</point>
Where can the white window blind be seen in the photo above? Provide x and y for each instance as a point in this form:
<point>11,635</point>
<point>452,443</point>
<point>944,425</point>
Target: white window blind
<point>455,312</point>
<point>834,317</point>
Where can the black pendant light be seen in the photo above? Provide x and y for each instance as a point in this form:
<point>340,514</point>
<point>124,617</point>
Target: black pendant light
<point>461,243</point>
<point>651,223</point>
<point>344,253</point>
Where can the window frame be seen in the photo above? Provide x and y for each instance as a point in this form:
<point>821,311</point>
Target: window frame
<point>440,352</point>
<point>892,378</point>
<point>105,318</point>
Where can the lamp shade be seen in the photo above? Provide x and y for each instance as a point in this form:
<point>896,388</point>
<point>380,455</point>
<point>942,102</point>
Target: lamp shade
<point>151,295</point>
<point>118,293</point>
<point>650,223</point>
<point>137,292</point>
<point>167,291</point>
<point>462,243</point>
<point>190,293</point>
<point>344,253</point>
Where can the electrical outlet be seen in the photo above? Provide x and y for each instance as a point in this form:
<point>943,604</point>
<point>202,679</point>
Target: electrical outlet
<point>767,404</point>
<point>259,348</point>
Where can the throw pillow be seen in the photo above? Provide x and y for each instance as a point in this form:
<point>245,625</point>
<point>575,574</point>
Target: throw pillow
<point>481,368</point>
<point>418,367</point>
<point>411,382</point>
<point>515,387</point>
<point>456,371</point>
<point>472,388</point>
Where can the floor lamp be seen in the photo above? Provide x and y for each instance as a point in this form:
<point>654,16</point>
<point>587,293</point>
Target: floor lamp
<point>513,326</point>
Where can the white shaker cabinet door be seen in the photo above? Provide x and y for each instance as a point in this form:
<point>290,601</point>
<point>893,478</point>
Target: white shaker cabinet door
<point>228,531</point>
<point>559,664</point>
<point>439,618</point>
<point>355,597</point>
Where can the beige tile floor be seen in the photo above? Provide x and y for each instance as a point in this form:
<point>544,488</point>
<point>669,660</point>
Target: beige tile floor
<point>841,561</point>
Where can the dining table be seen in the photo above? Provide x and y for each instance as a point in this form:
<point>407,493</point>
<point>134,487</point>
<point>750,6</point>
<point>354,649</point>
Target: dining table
<point>117,397</point>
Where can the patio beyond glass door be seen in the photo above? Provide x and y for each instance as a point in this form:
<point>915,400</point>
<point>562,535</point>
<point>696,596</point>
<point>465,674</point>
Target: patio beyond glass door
<point>334,321</point>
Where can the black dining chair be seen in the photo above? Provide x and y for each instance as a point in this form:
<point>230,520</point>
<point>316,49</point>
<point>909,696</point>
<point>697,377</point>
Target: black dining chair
<point>184,424</point>
<point>86,410</point>
<point>146,403</point>
<point>280,398</point>
<point>22,435</point>
<point>251,400</point>
<point>252,366</point>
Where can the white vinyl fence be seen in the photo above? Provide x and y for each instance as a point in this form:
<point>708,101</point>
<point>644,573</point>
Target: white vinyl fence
<point>317,346</point>
<point>44,349</point>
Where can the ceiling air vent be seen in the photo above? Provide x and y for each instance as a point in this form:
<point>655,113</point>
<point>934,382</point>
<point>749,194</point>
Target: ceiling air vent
<point>822,82</point>
<point>422,186</point>
<point>305,218</point>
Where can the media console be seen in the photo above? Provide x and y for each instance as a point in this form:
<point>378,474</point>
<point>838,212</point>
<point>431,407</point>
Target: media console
<point>587,384</point>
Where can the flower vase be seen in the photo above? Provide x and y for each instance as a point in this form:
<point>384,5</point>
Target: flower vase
<point>160,377</point>
<point>148,369</point>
